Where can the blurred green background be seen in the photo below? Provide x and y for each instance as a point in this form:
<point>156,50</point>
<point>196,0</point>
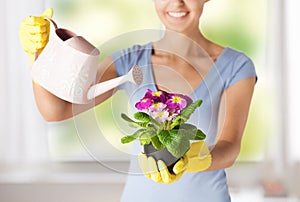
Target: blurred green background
<point>239,24</point>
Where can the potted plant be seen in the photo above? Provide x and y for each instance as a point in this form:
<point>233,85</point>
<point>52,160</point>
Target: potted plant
<point>162,126</point>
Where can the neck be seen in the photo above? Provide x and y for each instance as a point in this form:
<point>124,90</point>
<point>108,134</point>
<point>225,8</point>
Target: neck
<point>194,50</point>
<point>182,45</point>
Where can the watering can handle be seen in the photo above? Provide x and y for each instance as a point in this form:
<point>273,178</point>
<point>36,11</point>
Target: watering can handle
<point>52,21</point>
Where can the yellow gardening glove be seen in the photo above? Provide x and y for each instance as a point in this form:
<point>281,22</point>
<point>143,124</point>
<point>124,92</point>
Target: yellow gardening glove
<point>197,159</point>
<point>34,33</point>
<point>157,172</point>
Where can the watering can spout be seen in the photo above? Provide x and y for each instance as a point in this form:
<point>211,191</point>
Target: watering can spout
<point>135,75</point>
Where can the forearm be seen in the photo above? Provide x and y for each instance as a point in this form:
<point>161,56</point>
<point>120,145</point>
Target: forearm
<point>50,106</point>
<point>53,109</point>
<point>224,154</point>
<point>234,108</point>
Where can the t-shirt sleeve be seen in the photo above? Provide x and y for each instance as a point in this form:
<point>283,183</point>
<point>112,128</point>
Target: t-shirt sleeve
<point>242,68</point>
<point>126,58</point>
<point>121,61</point>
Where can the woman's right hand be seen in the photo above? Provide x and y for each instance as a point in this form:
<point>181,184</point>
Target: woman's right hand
<point>34,33</point>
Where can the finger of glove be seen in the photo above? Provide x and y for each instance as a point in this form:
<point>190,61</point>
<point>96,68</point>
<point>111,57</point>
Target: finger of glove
<point>31,47</point>
<point>33,41</point>
<point>34,37</point>
<point>154,172</point>
<point>35,21</point>
<point>181,165</point>
<point>178,176</point>
<point>166,176</point>
<point>34,29</point>
<point>48,12</point>
<point>143,162</point>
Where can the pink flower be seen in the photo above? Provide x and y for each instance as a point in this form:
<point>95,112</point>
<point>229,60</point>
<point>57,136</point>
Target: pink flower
<point>162,105</point>
<point>143,104</point>
<point>187,98</point>
<point>176,102</point>
<point>157,107</point>
<point>158,96</point>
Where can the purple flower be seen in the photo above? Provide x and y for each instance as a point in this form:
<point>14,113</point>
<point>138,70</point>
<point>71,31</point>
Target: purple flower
<point>143,104</point>
<point>187,98</point>
<point>158,96</point>
<point>163,106</point>
<point>176,102</point>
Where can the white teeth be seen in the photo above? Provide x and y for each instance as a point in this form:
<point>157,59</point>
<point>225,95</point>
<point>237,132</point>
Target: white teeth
<point>177,14</point>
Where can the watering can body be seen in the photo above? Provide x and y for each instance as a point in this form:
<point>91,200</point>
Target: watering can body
<point>67,66</point>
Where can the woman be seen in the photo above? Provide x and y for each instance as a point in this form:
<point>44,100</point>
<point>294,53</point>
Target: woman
<point>222,77</point>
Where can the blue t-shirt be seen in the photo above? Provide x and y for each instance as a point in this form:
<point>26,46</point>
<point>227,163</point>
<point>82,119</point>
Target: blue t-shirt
<point>208,186</point>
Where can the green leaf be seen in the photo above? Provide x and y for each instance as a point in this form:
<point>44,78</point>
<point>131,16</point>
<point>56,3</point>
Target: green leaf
<point>200,135</point>
<point>142,116</point>
<point>164,137</point>
<point>132,123</point>
<point>189,110</point>
<point>188,130</point>
<point>155,123</point>
<point>188,126</point>
<point>139,124</point>
<point>130,138</point>
<point>126,118</point>
<point>179,145</point>
<point>127,139</point>
<point>179,148</point>
<point>177,121</point>
<point>145,141</point>
<point>157,143</point>
<point>146,136</point>
<point>176,142</point>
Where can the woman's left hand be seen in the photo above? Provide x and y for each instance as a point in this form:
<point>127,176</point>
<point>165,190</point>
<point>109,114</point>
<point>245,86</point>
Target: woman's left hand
<point>197,159</point>
<point>157,171</point>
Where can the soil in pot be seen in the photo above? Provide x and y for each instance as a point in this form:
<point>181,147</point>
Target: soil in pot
<point>162,154</point>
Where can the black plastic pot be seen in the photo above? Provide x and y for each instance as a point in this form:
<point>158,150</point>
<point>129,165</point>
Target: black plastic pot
<point>162,154</point>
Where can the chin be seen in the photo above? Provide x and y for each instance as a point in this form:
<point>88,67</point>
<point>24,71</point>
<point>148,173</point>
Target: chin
<point>178,30</point>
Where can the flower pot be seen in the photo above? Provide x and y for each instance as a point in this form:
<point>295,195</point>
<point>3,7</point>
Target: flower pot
<point>162,154</point>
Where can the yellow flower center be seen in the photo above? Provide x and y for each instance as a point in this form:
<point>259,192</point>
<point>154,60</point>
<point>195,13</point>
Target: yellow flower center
<point>156,105</point>
<point>144,100</point>
<point>176,99</point>
<point>158,93</point>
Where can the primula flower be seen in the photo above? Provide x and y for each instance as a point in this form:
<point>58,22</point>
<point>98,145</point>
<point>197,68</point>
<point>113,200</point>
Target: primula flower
<point>176,102</point>
<point>158,124</point>
<point>144,104</point>
<point>157,107</point>
<point>158,96</point>
<point>187,98</point>
<point>163,105</point>
<point>161,116</point>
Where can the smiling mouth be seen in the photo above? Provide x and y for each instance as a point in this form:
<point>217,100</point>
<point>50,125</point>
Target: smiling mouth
<point>177,14</point>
